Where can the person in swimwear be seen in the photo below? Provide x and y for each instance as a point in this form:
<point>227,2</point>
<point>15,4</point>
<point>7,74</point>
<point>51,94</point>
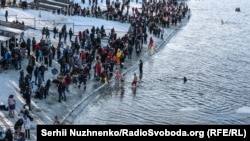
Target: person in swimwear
<point>12,105</point>
<point>134,83</point>
<point>122,80</point>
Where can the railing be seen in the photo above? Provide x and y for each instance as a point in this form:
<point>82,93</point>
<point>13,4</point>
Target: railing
<point>12,25</point>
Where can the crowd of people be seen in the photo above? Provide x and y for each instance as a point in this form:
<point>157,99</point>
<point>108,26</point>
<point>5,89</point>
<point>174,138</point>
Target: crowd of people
<point>82,55</point>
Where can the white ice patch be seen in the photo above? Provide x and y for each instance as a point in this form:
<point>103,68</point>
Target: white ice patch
<point>244,109</point>
<point>189,109</point>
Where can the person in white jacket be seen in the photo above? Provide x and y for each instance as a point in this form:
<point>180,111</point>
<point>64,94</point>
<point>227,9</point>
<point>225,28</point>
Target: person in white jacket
<point>26,126</point>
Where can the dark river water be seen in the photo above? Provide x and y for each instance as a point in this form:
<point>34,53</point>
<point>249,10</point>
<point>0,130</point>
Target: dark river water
<point>215,59</point>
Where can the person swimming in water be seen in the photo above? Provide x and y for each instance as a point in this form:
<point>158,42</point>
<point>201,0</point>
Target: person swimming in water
<point>184,79</point>
<point>222,22</point>
<point>237,9</point>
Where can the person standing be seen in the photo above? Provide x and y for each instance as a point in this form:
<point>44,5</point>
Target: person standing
<point>42,92</point>
<point>39,78</point>
<point>33,43</point>
<point>28,44</point>
<point>117,77</point>
<point>8,135</point>
<point>82,78</point>
<point>6,15</point>
<point>27,95</point>
<point>140,69</point>
<point>56,121</point>
<point>151,45</point>
<point>30,69</point>
<point>122,81</point>
<point>74,79</point>
<point>67,81</point>
<point>26,125</point>
<point>162,33</point>
<point>64,89</point>
<point>117,73</point>
<point>60,91</point>
<point>70,34</point>
<point>47,87</point>
<point>140,66</point>
<point>11,105</point>
<point>55,31</point>
<point>134,82</point>
<point>47,33</point>
<point>19,135</point>
<point>42,68</point>
<point>21,39</point>
<point>36,74</point>
<point>51,55</point>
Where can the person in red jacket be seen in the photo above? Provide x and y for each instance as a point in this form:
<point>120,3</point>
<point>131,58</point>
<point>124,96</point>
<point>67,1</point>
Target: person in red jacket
<point>98,70</point>
<point>133,10</point>
<point>67,81</point>
<point>151,42</point>
<point>63,87</point>
<point>37,46</point>
<point>105,77</point>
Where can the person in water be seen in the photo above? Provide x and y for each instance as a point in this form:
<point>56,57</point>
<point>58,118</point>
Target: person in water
<point>122,80</point>
<point>184,79</point>
<point>140,69</point>
<point>134,83</point>
<point>222,22</point>
<point>237,9</point>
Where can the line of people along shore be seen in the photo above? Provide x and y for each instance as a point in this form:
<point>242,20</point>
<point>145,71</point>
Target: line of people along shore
<point>78,58</point>
<point>82,56</point>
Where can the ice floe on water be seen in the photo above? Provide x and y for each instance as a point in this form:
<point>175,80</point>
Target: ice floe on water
<point>189,108</point>
<point>244,109</point>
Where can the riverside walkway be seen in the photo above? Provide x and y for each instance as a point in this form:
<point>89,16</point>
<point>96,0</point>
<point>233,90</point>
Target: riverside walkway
<point>68,110</point>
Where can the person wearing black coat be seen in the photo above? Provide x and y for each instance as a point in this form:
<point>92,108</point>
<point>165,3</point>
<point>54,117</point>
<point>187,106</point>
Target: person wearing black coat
<point>47,86</point>
<point>42,68</point>
<point>35,74</point>
<point>60,91</point>
<point>140,69</point>
<point>28,46</point>
<point>27,96</point>
<point>6,15</point>
<point>21,74</point>
<point>33,43</point>
<point>42,92</point>
<point>8,135</point>
<point>30,69</point>
<point>70,34</point>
